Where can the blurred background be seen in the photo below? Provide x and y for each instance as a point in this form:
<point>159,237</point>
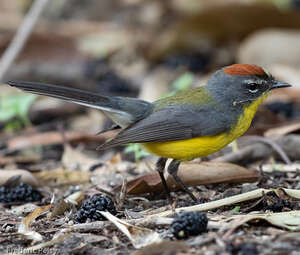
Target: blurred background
<point>145,49</point>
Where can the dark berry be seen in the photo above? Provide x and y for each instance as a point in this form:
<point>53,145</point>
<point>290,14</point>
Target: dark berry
<point>189,224</point>
<point>279,205</point>
<point>91,207</point>
<point>19,194</point>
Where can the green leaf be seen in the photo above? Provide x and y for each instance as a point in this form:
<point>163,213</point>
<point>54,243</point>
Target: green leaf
<point>236,209</point>
<point>137,149</point>
<point>16,106</point>
<point>183,82</point>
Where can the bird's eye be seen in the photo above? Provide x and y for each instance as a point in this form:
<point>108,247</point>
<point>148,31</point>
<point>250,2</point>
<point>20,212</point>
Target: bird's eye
<point>252,87</point>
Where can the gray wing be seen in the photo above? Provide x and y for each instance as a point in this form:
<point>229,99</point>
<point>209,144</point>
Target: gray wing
<point>171,124</point>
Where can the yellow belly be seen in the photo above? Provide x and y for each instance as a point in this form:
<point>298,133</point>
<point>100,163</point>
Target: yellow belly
<point>203,146</point>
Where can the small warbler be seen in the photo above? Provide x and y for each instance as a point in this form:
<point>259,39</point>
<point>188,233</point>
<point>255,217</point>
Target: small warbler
<point>192,123</point>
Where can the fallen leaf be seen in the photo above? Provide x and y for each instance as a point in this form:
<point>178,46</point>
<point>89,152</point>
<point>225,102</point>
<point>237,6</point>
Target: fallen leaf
<point>295,193</point>
<point>23,159</point>
<point>287,220</point>
<point>284,130</point>
<point>61,177</point>
<point>193,174</point>
<point>139,237</point>
<point>24,227</point>
<point>66,203</point>
<point>26,176</point>
<point>55,137</point>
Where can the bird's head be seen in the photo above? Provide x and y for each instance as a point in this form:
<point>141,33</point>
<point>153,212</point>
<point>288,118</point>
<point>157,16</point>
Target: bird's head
<point>241,84</point>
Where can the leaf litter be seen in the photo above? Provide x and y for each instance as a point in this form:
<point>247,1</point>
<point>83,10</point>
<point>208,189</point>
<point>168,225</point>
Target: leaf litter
<point>243,200</point>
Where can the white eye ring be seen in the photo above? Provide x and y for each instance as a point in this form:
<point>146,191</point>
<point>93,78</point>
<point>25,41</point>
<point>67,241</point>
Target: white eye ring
<point>252,87</point>
<point>253,90</point>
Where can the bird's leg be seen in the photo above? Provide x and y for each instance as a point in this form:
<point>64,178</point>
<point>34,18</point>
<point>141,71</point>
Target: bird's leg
<point>172,170</point>
<point>160,167</point>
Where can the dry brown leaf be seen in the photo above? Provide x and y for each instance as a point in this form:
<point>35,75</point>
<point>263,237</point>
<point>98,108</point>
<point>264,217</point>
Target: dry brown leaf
<point>194,174</point>
<point>23,159</point>
<point>24,227</point>
<point>54,137</point>
<point>284,130</point>
<point>26,176</point>
<point>287,220</point>
<point>139,237</point>
<point>65,204</point>
<point>62,177</point>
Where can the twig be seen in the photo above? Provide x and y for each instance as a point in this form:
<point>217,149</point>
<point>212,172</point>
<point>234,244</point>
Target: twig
<point>91,226</point>
<point>286,146</point>
<point>21,36</point>
<point>275,146</point>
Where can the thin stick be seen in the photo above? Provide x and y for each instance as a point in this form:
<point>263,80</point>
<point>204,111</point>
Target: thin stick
<point>275,146</point>
<point>21,36</point>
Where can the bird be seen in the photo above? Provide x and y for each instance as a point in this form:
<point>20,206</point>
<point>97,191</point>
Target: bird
<point>192,123</point>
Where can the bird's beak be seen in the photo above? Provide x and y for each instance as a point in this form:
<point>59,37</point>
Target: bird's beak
<point>280,84</point>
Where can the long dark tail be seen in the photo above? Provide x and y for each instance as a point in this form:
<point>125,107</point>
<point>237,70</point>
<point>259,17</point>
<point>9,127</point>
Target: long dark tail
<point>70,94</point>
<point>122,110</point>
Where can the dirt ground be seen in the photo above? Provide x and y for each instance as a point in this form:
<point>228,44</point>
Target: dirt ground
<point>249,191</point>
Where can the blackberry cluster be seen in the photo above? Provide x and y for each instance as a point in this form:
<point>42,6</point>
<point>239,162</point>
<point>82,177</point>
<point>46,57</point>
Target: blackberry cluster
<point>275,204</point>
<point>19,194</point>
<point>89,208</point>
<point>189,224</point>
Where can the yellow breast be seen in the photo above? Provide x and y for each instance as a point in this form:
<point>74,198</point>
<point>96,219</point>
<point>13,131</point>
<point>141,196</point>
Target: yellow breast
<point>203,146</point>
